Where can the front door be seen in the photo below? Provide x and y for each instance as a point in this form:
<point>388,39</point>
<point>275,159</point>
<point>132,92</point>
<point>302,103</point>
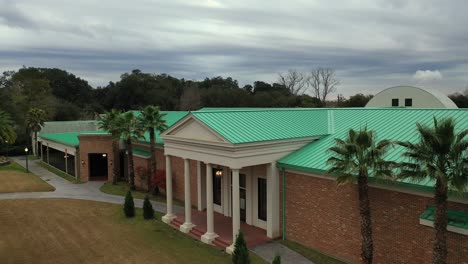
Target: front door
<point>242,197</point>
<point>217,189</point>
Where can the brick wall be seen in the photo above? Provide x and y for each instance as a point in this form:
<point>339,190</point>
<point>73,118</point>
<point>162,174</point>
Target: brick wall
<point>177,174</point>
<point>324,216</point>
<point>141,166</point>
<point>94,144</point>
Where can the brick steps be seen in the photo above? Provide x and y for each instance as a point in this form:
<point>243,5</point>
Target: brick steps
<point>176,223</point>
<point>220,243</point>
<point>198,233</point>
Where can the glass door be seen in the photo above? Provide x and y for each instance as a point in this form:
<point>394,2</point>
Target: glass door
<point>242,196</point>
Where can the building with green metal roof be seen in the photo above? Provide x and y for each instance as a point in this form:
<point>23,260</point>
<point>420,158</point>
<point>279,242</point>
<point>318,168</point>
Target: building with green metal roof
<point>276,158</point>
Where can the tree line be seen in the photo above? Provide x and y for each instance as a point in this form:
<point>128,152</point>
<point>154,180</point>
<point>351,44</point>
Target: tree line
<point>64,96</point>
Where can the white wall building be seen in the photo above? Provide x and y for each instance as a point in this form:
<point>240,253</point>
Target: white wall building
<point>409,96</point>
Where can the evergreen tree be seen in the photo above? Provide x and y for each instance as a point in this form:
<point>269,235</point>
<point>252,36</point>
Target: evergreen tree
<point>129,205</point>
<point>241,252</point>
<point>277,260</point>
<point>148,211</point>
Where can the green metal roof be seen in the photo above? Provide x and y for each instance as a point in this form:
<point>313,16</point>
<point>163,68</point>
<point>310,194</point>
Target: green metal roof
<point>171,118</point>
<point>142,152</point>
<point>56,127</point>
<point>70,138</point>
<point>240,126</point>
<point>455,218</point>
<point>388,123</point>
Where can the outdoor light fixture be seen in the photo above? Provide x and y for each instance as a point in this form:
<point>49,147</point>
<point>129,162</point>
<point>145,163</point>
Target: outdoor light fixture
<point>219,173</point>
<point>26,151</point>
<point>82,162</point>
<point>104,155</point>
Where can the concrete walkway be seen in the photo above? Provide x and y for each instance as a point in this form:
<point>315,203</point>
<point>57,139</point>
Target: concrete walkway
<point>66,189</point>
<point>90,191</point>
<point>269,250</point>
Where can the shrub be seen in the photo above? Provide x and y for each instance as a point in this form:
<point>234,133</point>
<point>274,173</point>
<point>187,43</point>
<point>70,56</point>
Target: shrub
<point>129,205</point>
<point>277,260</point>
<point>148,212</point>
<point>241,252</point>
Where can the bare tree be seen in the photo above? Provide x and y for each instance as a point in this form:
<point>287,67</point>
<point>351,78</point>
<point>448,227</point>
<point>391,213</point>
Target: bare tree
<point>190,99</point>
<point>295,81</point>
<point>323,82</point>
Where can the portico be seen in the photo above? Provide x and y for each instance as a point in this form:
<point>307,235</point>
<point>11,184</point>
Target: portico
<point>240,181</point>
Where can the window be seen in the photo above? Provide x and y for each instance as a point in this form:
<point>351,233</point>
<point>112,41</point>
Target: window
<point>395,102</point>
<point>262,199</point>
<point>216,188</point>
<point>408,102</point>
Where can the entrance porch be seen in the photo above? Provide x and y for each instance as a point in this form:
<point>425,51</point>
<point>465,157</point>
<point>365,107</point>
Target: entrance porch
<point>253,235</point>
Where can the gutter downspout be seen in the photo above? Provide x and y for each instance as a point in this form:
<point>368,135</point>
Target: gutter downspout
<point>78,160</point>
<point>283,174</point>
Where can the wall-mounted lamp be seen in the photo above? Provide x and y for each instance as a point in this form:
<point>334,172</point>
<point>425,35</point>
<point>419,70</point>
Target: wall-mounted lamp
<point>219,173</point>
<point>82,162</point>
<point>111,162</point>
<point>66,156</point>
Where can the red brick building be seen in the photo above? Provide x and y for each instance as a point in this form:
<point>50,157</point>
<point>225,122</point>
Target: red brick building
<point>266,170</point>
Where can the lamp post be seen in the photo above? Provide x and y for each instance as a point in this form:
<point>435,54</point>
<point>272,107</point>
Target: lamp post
<point>26,151</point>
<point>6,141</point>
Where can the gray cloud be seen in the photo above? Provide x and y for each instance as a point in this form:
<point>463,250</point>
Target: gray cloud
<point>371,44</point>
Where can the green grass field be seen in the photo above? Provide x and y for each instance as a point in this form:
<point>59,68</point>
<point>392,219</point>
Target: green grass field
<point>77,231</point>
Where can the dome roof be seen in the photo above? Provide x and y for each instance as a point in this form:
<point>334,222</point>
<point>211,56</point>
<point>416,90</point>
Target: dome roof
<point>422,98</point>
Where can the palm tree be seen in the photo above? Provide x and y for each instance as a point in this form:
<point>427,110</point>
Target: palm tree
<point>35,119</point>
<point>355,158</point>
<point>109,122</point>
<point>130,130</point>
<point>441,155</point>
<point>7,131</point>
<point>152,120</point>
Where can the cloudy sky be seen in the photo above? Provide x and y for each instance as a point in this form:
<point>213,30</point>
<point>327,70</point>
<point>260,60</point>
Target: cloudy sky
<point>372,44</point>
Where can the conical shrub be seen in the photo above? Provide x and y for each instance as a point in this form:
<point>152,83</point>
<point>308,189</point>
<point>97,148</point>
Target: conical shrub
<point>241,252</point>
<point>129,205</point>
<point>148,211</point>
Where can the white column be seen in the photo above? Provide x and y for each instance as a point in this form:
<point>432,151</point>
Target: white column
<point>249,196</point>
<point>199,187</point>
<point>226,192</point>
<point>272,201</point>
<point>210,235</point>
<point>187,226</point>
<point>169,215</point>
<point>235,209</point>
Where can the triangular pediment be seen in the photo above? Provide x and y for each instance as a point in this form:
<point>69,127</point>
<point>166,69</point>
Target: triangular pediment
<point>191,128</point>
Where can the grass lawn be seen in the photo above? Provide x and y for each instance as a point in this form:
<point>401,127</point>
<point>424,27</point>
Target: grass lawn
<point>77,231</point>
<point>13,178</point>
<point>13,166</point>
<point>313,255</point>
<point>121,189</point>
<point>58,172</point>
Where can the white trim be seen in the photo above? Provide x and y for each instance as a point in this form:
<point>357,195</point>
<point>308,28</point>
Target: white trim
<point>58,146</point>
<point>454,229</point>
<point>185,121</point>
<point>256,221</point>
<point>233,156</point>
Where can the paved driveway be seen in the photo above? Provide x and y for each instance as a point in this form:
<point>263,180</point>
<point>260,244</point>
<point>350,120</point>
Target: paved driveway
<point>66,189</point>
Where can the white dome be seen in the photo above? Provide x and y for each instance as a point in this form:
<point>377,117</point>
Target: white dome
<point>409,96</point>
